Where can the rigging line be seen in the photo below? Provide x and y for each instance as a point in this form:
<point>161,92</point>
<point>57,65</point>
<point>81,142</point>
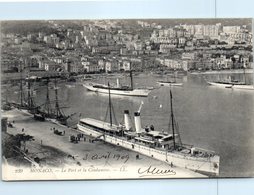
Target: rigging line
<point>106,114</point>
<point>113,111</point>
<point>179,136</point>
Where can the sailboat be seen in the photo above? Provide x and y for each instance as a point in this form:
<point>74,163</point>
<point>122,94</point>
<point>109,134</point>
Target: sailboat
<point>160,145</point>
<point>233,84</point>
<point>118,90</point>
<point>169,82</point>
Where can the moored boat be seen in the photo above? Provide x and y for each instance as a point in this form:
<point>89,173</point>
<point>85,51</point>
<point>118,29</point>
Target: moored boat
<point>169,83</point>
<point>118,90</point>
<point>246,87</point>
<point>220,84</point>
<point>231,85</point>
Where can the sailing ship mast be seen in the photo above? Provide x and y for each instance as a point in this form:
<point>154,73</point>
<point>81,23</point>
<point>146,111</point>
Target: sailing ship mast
<point>47,106</point>
<point>172,120</point>
<point>58,112</point>
<point>21,87</point>
<point>30,101</point>
<point>59,115</point>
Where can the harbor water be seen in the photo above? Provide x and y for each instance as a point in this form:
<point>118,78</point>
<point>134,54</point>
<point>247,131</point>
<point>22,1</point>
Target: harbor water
<point>212,118</point>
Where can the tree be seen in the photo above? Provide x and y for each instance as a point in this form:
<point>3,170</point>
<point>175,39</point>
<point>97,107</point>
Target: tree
<point>23,138</point>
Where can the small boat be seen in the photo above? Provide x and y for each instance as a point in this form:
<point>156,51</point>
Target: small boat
<point>69,86</point>
<point>220,84</point>
<point>169,83</point>
<point>87,77</point>
<point>39,117</point>
<point>246,87</point>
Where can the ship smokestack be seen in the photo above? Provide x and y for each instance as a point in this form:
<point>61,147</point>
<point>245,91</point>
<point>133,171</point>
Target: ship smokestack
<point>127,120</point>
<point>137,121</point>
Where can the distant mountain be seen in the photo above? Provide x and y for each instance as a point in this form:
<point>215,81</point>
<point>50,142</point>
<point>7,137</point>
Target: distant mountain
<point>47,26</point>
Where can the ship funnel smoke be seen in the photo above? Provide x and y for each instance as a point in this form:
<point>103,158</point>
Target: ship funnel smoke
<point>137,121</point>
<point>127,120</point>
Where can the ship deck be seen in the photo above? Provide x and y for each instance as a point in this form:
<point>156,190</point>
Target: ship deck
<point>132,137</point>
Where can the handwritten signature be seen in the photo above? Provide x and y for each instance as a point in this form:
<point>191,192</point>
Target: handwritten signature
<point>154,171</point>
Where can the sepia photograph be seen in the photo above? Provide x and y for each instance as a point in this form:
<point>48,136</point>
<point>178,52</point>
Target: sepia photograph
<point>127,99</point>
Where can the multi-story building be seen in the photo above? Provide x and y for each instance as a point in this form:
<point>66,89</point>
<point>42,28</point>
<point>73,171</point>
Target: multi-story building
<point>167,48</point>
<point>111,66</point>
<point>51,66</point>
<point>101,64</point>
<point>138,45</point>
<point>48,39</point>
<point>231,29</point>
<point>126,65</point>
<point>199,30</point>
<point>212,31</point>
<point>188,56</point>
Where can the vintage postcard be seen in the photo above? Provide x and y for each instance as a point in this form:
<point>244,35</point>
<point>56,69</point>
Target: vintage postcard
<point>127,99</point>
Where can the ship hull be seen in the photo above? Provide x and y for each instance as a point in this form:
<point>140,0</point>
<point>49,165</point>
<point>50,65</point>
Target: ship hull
<point>207,166</point>
<point>232,86</point>
<point>135,92</point>
<point>244,87</point>
<point>221,85</point>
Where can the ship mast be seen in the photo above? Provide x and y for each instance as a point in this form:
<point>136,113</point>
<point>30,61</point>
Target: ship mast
<point>47,104</point>
<point>29,95</point>
<point>57,107</point>
<point>131,80</point>
<point>21,86</point>
<point>172,119</point>
<point>110,109</point>
<point>110,105</point>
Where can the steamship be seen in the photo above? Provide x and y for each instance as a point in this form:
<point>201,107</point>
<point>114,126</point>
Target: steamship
<point>118,90</point>
<point>160,145</point>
